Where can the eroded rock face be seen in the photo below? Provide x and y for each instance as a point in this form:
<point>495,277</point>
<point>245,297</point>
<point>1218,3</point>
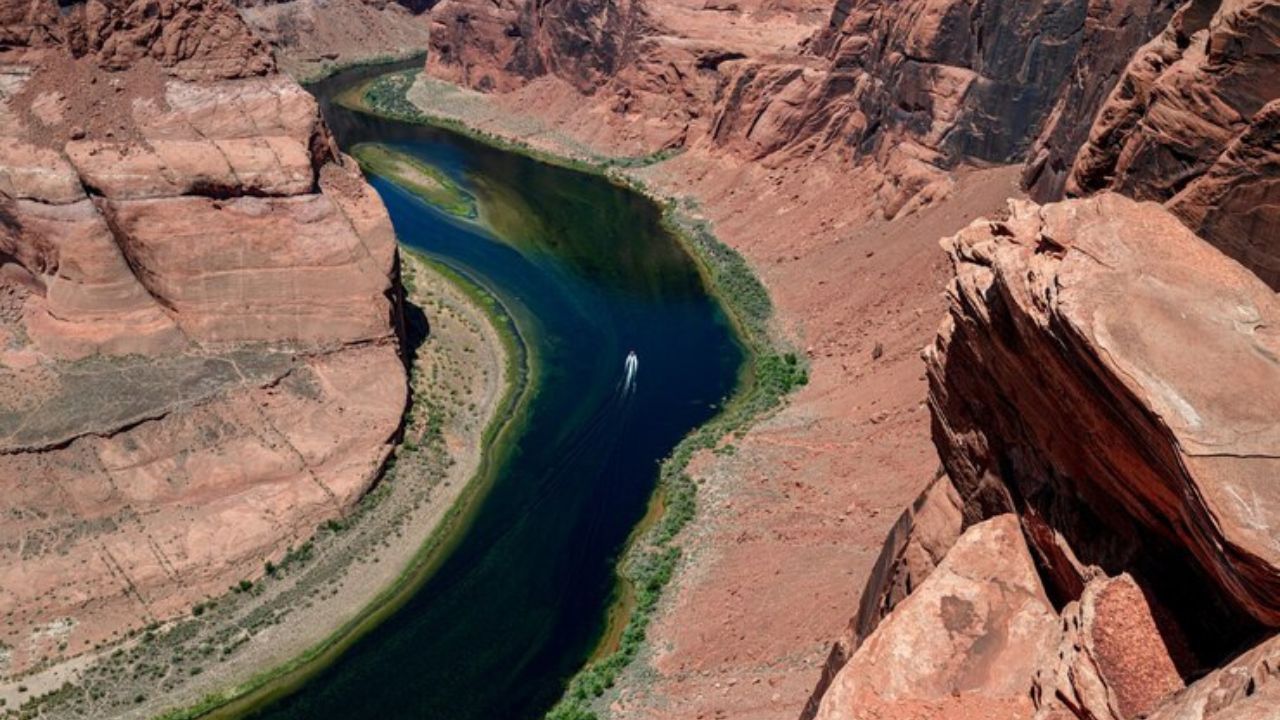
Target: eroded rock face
<point>914,88</point>
<point>192,40</point>
<point>1111,33</point>
<point>1245,688</point>
<point>1193,123</point>
<point>1097,319</point>
<point>498,46</point>
<point>1075,399</point>
<point>198,356</point>
<point>311,37</point>
<point>475,44</point>
<point>1114,659</point>
<point>916,545</point>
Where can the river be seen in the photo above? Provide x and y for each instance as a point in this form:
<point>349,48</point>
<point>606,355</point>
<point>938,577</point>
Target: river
<point>588,273</point>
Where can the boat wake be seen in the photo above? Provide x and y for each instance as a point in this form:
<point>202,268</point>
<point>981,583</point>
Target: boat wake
<point>630,366</point>
<point>591,448</point>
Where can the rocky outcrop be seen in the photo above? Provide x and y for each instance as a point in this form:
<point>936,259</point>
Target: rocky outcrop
<point>962,643</point>
<point>475,44</point>
<point>1111,33</point>
<point>1097,318</point>
<point>912,88</point>
<point>1114,660</point>
<point>1245,688</point>
<point>312,38</point>
<point>499,46</point>
<point>1069,389</point>
<point>1157,99</point>
<point>191,40</point>
<point>916,545</point>
<point>198,356</point>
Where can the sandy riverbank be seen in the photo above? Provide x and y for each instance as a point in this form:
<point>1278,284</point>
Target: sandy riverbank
<point>460,380</point>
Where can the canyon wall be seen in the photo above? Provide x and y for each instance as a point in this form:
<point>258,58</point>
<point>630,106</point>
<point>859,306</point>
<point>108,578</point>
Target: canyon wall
<point>1169,100</point>
<point>1193,123</point>
<point>198,303</point>
<point>913,88</point>
<point>1074,405</point>
<point>1102,540</point>
<point>1077,389</point>
<point>312,38</point>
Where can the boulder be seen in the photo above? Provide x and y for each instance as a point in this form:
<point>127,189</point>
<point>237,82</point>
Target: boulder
<point>1114,661</point>
<point>966,643</point>
<point>1247,687</point>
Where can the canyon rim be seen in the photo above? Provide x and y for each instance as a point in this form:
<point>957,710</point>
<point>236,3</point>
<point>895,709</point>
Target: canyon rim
<point>1027,254</point>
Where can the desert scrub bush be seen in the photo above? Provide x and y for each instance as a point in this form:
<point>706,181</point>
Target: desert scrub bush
<point>386,96</point>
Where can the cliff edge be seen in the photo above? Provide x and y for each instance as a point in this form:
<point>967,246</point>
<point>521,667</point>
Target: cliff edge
<point>1103,388</point>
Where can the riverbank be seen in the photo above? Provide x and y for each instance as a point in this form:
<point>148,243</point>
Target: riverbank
<point>313,70</point>
<point>792,511</point>
<point>771,371</point>
<point>467,376</point>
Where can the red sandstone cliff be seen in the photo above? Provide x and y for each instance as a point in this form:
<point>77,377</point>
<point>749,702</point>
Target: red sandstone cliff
<point>912,87</point>
<point>1158,99</point>
<point>1194,122</point>
<point>1072,408</point>
<point>312,37</point>
<point>197,355</point>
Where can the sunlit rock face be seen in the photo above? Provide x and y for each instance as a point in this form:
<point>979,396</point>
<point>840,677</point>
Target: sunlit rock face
<point>198,297</point>
<point>912,88</point>
<point>1072,401</point>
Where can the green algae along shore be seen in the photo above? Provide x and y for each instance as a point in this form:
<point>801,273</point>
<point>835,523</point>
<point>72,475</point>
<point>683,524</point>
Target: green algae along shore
<point>770,372</point>
<point>420,178</point>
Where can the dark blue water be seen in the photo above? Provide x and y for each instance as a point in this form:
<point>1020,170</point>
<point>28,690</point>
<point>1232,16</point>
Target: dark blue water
<point>588,273</point>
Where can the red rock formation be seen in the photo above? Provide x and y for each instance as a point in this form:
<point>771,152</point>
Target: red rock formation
<point>197,357</point>
<point>1113,660</point>
<point>1068,386</point>
<point>1111,33</point>
<point>1193,123</point>
<point>475,45</point>
<point>312,37</point>
<point>964,644</point>
<point>192,40</point>
<point>1245,688</point>
<point>916,545</point>
<point>1095,319</point>
<point>914,88</point>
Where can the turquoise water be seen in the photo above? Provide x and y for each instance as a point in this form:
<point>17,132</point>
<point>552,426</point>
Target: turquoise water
<point>588,273</point>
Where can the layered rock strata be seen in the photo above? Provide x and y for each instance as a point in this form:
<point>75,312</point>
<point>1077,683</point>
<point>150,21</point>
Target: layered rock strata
<point>1071,387</point>
<point>1194,123</point>
<point>1162,100</point>
<point>912,88</point>
<point>198,354</point>
<point>313,37</point>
